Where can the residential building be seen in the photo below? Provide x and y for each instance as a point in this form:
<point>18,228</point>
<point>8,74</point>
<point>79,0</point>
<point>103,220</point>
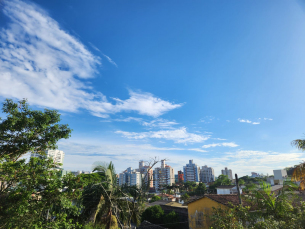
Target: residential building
<point>176,178</point>
<point>228,189</point>
<point>254,175</point>
<point>57,155</point>
<point>191,172</point>
<point>227,172</point>
<point>163,175</point>
<point>280,174</point>
<point>207,174</point>
<point>200,208</point>
<point>130,177</point>
<point>147,174</point>
<point>180,176</point>
<point>124,177</point>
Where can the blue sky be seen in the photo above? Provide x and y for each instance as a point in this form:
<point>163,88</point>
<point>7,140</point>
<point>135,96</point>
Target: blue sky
<point>219,82</point>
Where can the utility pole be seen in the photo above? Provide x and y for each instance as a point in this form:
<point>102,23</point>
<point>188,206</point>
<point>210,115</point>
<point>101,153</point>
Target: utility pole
<point>238,191</point>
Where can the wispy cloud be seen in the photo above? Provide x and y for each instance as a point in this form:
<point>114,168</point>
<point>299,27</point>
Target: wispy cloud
<point>177,135</point>
<point>268,119</point>
<point>107,57</point>
<point>160,123</point>
<point>207,119</point>
<point>248,121</point>
<point>226,144</point>
<point>81,155</point>
<point>198,150</point>
<point>110,60</point>
<point>48,66</point>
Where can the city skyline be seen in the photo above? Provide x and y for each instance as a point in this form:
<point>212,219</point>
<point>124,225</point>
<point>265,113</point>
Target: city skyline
<point>218,83</point>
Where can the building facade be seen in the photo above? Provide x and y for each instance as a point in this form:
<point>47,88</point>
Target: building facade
<point>147,174</point>
<point>180,177</point>
<point>207,174</point>
<point>57,155</point>
<point>130,177</point>
<point>163,175</point>
<point>191,172</point>
<point>227,172</point>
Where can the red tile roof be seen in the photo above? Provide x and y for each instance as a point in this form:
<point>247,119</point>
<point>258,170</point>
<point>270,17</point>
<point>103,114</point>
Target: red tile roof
<point>222,199</point>
<point>226,186</point>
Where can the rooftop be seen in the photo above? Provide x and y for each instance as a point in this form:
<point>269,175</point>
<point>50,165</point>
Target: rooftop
<point>226,186</point>
<point>222,199</point>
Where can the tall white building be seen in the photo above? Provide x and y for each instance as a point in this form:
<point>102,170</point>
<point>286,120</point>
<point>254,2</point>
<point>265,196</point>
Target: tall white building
<point>191,172</point>
<point>207,174</point>
<point>227,172</point>
<point>57,155</point>
<point>163,175</point>
<point>147,174</point>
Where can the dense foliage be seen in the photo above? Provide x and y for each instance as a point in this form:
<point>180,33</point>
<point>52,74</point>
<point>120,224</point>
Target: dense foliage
<point>221,180</point>
<point>33,194</point>
<point>156,215</point>
<point>263,209</point>
<point>155,198</point>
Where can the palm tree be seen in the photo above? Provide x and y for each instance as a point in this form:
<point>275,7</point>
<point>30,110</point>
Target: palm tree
<point>100,199</point>
<point>299,171</point>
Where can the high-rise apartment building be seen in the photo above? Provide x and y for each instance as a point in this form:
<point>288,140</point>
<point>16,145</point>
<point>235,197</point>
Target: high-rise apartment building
<point>207,174</point>
<point>57,155</point>
<point>227,172</point>
<point>163,175</point>
<point>180,176</point>
<point>130,177</point>
<point>147,174</point>
<point>191,172</point>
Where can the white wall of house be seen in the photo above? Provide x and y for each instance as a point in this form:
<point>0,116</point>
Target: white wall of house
<point>222,191</point>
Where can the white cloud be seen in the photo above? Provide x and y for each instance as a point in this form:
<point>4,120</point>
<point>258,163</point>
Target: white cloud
<point>128,119</point>
<point>248,121</point>
<point>269,119</point>
<point>161,123</point>
<point>81,154</point>
<point>45,64</point>
<point>198,150</point>
<point>207,119</point>
<point>110,60</point>
<point>177,135</point>
<point>107,57</point>
<point>244,120</point>
<point>226,144</point>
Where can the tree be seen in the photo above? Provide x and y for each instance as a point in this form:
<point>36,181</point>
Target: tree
<point>185,197</point>
<point>264,210</point>
<point>36,196</point>
<point>25,130</point>
<point>100,198</point>
<point>222,180</point>
<point>171,221</point>
<point>33,194</point>
<point>299,171</point>
<point>200,189</point>
<point>153,214</point>
<point>242,182</point>
<point>155,198</point>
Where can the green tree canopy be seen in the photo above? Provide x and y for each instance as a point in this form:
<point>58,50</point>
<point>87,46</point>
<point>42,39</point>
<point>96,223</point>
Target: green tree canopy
<point>33,194</point>
<point>155,198</point>
<point>25,130</point>
<point>153,214</point>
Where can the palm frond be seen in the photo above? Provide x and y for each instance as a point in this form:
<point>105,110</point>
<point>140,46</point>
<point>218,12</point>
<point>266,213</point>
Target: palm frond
<point>298,173</point>
<point>299,143</point>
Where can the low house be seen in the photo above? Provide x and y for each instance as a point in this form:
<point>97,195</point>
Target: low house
<point>228,189</point>
<point>201,207</point>
<point>167,197</point>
